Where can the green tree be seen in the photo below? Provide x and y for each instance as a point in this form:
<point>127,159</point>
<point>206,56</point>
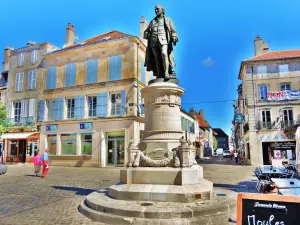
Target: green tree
<point>4,123</point>
<point>215,144</point>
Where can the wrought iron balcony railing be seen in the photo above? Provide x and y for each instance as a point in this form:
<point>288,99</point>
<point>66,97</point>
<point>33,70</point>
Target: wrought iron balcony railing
<point>265,125</point>
<point>290,125</point>
<point>22,121</point>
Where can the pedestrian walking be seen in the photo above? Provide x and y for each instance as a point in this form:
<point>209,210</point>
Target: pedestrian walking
<point>231,155</point>
<point>45,163</point>
<point>37,162</point>
<point>236,157</point>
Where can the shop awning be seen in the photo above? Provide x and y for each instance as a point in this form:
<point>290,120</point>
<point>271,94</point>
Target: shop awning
<point>32,135</point>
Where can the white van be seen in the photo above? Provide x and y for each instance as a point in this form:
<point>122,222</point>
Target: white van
<point>219,151</point>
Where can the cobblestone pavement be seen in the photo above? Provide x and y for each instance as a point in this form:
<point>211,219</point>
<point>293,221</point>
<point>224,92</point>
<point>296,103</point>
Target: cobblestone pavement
<point>26,199</point>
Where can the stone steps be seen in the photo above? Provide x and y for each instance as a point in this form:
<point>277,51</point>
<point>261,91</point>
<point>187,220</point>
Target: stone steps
<point>100,207</point>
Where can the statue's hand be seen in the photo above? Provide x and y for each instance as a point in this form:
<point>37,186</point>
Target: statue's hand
<point>146,35</point>
<point>174,40</point>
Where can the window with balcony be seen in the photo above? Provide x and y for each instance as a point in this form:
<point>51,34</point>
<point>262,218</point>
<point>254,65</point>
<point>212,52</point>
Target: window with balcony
<point>263,92</point>
<point>20,59</point>
<point>115,104</point>
<point>19,81</point>
<point>33,57</point>
<point>70,108</point>
<point>17,106</point>
<point>31,84</point>
<point>285,87</point>
<point>92,100</point>
<point>288,115</point>
<point>266,119</point>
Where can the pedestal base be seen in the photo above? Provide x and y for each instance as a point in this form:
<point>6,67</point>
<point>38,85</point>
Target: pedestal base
<point>100,207</point>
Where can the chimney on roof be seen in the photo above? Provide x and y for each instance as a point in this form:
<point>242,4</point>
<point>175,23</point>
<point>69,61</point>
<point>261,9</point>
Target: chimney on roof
<point>29,43</point>
<point>7,52</point>
<point>143,26</point>
<point>260,47</point>
<point>201,113</point>
<point>70,35</point>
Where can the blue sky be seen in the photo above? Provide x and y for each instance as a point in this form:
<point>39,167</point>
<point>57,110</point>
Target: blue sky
<point>214,37</point>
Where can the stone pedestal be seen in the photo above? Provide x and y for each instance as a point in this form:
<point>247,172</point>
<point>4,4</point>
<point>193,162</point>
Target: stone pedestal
<point>162,119</point>
<point>163,183</point>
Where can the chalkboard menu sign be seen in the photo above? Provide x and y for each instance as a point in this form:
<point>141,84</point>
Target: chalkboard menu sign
<point>260,209</point>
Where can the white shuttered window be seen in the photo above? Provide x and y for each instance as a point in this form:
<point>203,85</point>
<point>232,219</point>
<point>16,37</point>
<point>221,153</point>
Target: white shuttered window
<point>31,84</point>
<point>19,81</point>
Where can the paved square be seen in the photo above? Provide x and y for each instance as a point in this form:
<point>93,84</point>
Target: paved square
<point>26,199</point>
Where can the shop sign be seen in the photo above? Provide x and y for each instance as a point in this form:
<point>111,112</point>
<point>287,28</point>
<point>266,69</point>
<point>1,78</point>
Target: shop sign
<point>256,209</point>
<point>284,95</point>
<point>275,137</point>
<point>50,128</point>
<point>85,126</point>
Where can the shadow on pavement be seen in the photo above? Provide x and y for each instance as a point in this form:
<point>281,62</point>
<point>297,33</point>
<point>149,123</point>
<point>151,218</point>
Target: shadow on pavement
<point>245,186</point>
<point>78,191</point>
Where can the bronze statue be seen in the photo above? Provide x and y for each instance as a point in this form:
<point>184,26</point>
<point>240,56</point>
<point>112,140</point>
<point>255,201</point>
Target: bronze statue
<point>161,36</point>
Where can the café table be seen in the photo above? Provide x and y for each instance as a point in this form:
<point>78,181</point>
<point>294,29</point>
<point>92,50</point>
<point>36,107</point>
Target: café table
<point>290,191</point>
<point>286,182</point>
<point>274,172</point>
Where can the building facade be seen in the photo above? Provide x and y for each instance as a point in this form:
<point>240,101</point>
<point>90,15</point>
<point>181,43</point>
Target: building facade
<point>271,94</point>
<point>25,79</point>
<point>222,138</point>
<point>92,106</point>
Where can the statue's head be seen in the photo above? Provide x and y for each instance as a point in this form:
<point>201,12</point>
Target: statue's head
<point>159,9</point>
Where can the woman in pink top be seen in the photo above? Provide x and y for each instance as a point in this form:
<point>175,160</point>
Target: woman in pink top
<point>37,163</point>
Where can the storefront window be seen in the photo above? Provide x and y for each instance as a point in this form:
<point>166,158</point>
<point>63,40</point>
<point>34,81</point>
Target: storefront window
<point>52,144</point>
<point>68,144</point>
<point>31,148</point>
<point>12,145</point>
<point>86,143</point>
<point>278,151</point>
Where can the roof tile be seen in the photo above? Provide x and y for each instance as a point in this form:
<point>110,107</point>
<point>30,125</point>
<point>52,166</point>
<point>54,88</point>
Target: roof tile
<point>276,55</point>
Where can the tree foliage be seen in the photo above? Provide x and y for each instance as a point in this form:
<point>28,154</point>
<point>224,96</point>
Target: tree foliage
<point>215,144</point>
<point>4,123</point>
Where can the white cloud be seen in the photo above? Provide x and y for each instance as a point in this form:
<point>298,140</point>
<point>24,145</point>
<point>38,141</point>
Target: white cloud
<point>208,61</point>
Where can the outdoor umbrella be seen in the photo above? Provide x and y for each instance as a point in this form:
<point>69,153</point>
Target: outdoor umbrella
<point>297,134</point>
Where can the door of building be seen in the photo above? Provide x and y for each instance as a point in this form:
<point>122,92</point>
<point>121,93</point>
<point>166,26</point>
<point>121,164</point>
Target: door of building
<point>22,151</point>
<point>115,151</point>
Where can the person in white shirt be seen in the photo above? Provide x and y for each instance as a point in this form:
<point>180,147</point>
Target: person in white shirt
<point>236,157</point>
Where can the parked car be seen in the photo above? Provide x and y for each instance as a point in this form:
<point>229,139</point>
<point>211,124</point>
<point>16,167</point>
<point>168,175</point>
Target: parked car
<point>219,151</point>
<point>226,153</point>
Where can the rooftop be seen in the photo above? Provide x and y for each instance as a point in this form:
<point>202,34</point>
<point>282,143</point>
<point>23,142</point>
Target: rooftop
<point>109,36</point>
<point>276,55</point>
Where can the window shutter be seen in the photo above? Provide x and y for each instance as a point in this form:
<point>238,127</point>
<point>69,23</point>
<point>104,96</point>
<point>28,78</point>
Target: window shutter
<point>123,102</point>
<point>58,108</point>
<point>143,73</point>
<point>41,110</point>
<point>101,110</point>
<point>51,78</point>
<point>33,56</point>
<point>17,82</point>
<point>139,102</point>
<point>70,75</point>
<point>79,107</point>
<point>21,81</point>
<point>33,79</point>
<point>31,112</point>
<point>91,71</point>
<point>29,79</point>
<point>24,107</point>
<point>11,110</point>
<point>115,67</point>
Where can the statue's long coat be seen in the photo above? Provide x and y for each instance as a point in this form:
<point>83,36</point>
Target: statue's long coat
<point>170,33</point>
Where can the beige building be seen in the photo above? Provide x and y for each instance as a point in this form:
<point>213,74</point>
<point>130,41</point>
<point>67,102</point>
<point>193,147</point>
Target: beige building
<point>91,105</point>
<point>24,89</point>
<point>271,100</point>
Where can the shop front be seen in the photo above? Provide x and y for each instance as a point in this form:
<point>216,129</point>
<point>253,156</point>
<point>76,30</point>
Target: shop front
<point>279,153</point>
<point>95,143</point>
<point>20,147</point>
